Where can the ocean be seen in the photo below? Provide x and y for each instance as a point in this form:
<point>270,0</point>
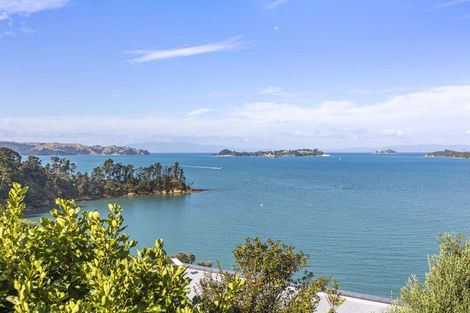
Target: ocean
<point>369,221</point>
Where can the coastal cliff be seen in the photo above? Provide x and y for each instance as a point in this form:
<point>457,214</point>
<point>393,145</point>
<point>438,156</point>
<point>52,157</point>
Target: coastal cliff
<point>39,148</point>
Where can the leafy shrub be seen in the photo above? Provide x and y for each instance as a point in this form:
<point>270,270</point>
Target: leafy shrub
<point>82,263</point>
<point>185,257</point>
<point>447,284</point>
<point>267,284</point>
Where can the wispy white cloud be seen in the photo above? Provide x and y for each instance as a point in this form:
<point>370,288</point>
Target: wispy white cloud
<point>451,3</point>
<point>14,32</point>
<point>198,112</point>
<point>273,4</point>
<point>436,115</point>
<point>270,90</point>
<point>9,8</point>
<point>155,55</point>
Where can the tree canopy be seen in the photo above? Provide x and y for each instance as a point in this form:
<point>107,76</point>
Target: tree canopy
<point>446,288</point>
<point>269,285</point>
<point>60,178</point>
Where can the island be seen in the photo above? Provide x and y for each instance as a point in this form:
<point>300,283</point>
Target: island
<point>273,154</point>
<point>59,178</point>
<point>387,151</point>
<point>40,148</point>
<point>448,154</point>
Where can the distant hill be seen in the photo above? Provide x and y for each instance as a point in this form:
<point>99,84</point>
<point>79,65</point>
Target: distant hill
<point>38,148</point>
<point>449,154</point>
<point>274,154</point>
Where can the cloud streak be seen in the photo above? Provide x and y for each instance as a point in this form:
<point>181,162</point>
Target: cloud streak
<point>8,8</point>
<point>143,56</point>
<point>274,4</point>
<point>198,112</point>
<point>270,90</point>
<point>451,3</point>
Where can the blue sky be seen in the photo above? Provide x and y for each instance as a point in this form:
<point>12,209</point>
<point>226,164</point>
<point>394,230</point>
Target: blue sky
<point>243,74</point>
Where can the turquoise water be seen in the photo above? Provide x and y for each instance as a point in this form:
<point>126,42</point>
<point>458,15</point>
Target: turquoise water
<point>367,220</point>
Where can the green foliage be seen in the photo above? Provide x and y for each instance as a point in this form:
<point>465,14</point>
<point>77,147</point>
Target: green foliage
<point>447,284</point>
<point>206,263</point>
<point>190,258</point>
<point>185,257</point>
<point>82,263</point>
<point>219,292</point>
<point>59,178</point>
<point>333,297</point>
<point>267,284</point>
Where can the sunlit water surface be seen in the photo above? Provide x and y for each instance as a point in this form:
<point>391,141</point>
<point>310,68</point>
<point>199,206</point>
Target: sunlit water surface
<point>367,220</point>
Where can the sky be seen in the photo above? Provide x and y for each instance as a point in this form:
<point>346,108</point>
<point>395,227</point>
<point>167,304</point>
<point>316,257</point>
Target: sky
<point>243,74</point>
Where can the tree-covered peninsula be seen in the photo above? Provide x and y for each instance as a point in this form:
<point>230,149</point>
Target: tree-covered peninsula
<point>448,154</point>
<point>59,178</point>
<point>273,154</point>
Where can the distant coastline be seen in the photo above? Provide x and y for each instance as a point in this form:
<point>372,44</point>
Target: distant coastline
<point>448,154</point>
<point>273,154</point>
<point>387,151</point>
<point>39,148</point>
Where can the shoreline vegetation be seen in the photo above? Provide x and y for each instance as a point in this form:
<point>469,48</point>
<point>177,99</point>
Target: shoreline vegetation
<point>448,154</point>
<point>273,154</point>
<point>60,178</point>
<point>40,148</point>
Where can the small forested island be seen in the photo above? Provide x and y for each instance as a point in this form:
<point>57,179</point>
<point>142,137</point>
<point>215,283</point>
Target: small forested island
<point>273,154</point>
<point>387,151</point>
<point>38,148</point>
<point>448,154</point>
<point>59,178</point>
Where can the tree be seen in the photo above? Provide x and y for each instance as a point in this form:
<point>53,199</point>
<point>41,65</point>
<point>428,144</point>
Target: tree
<point>61,173</point>
<point>59,178</point>
<point>34,175</point>
<point>447,284</point>
<point>10,162</point>
<point>82,263</point>
<point>267,284</point>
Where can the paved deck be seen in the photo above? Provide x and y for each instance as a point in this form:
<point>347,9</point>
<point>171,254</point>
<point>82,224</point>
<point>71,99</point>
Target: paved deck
<point>355,303</point>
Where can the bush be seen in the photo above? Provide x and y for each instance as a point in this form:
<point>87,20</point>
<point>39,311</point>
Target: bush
<point>447,284</point>
<point>82,263</point>
<point>267,284</point>
<point>185,257</point>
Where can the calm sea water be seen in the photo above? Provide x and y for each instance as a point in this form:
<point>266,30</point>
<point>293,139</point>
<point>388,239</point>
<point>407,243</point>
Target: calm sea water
<point>367,220</point>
